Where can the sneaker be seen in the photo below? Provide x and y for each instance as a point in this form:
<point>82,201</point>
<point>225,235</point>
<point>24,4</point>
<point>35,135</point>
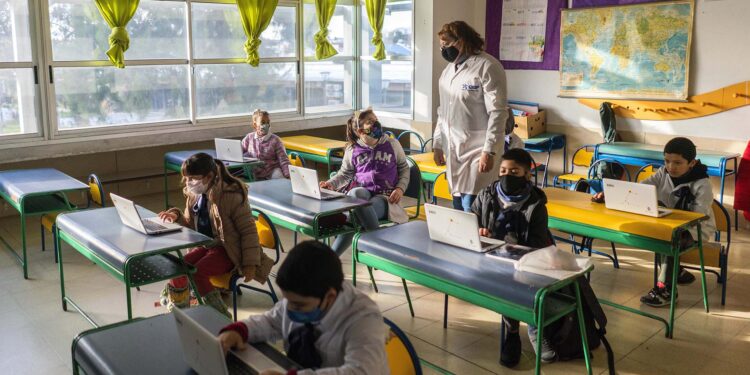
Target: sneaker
<point>548,354</point>
<point>213,299</point>
<point>172,297</point>
<point>658,297</point>
<point>511,354</point>
<point>685,277</point>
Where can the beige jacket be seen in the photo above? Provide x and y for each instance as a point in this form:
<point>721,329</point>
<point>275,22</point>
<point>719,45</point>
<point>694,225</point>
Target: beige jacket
<point>233,225</point>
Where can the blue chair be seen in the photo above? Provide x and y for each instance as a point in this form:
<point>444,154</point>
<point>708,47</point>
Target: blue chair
<point>421,141</point>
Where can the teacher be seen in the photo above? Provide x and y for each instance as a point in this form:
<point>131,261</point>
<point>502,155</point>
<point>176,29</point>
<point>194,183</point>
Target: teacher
<point>472,112</point>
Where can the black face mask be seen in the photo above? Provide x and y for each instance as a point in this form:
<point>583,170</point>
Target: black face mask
<point>450,54</point>
<point>513,185</point>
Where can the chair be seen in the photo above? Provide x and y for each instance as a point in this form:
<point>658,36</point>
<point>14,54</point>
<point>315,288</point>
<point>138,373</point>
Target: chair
<point>582,157</point>
<point>389,134</point>
<point>421,141</point>
<point>646,171</point>
<point>424,145</point>
<point>402,358</point>
<point>95,195</point>
<point>269,239</point>
<point>715,254</point>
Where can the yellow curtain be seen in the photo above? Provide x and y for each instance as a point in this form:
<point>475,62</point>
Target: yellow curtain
<point>255,15</point>
<point>324,11</point>
<point>117,14</point>
<point>376,14</point>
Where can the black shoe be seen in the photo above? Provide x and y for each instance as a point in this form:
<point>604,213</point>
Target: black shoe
<point>511,353</point>
<point>685,277</point>
<point>658,297</point>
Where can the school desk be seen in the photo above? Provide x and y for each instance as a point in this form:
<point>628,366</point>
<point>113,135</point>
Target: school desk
<point>148,346</point>
<point>573,212</point>
<point>129,256</point>
<point>299,213</point>
<point>316,149</point>
<point>546,143</point>
<point>35,192</point>
<point>173,162</point>
<point>406,251</point>
<point>427,166</point>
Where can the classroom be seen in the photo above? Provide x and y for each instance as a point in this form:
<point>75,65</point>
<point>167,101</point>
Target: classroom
<point>395,187</point>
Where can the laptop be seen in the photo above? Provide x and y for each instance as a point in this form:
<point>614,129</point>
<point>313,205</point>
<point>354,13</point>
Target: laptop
<point>457,228</point>
<point>305,182</point>
<point>230,150</point>
<point>632,197</point>
<point>129,216</point>
<point>203,353</point>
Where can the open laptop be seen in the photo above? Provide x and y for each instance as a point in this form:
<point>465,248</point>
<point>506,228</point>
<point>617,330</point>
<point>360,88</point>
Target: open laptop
<point>305,182</point>
<point>230,150</point>
<point>457,228</point>
<point>632,197</point>
<point>203,353</point>
<point>129,216</point>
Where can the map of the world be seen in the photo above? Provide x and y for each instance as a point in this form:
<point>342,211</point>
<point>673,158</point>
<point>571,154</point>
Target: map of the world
<point>626,52</point>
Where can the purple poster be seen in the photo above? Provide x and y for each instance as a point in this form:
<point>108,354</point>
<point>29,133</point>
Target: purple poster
<point>598,3</point>
<point>551,57</point>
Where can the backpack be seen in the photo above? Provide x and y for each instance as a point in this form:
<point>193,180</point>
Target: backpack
<point>564,335</point>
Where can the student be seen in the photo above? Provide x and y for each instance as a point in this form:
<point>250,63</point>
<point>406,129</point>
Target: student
<point>512,140</point>
<point>327,325</point>
<point>681,184</point>
<point>375,169</point>
<point>266,146</point>
<point>217,207</point>
<point>514,210</point>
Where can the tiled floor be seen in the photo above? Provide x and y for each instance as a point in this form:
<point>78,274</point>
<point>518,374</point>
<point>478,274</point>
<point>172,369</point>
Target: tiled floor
<point>35,334</point>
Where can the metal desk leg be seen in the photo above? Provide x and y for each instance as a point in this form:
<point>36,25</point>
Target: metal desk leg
<point>60,267</point>
<point>673,296</point>
<point>703,272</point>
<point>24,261</point>
<point>582,328</point>
<point>539,336</point>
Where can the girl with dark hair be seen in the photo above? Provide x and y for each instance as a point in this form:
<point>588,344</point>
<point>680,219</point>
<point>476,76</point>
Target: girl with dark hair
<point>217,207</point>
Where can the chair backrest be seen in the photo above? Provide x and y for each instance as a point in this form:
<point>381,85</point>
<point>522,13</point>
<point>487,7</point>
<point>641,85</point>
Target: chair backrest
<point>441,189</point>
<point>611,163</point>
<point>96,191</point>
<point>427,141</point>
<point>646,171</point>
<point>389,134</point>
<point>296,160</point>
<point>268,237</point>
<point>413,133</point>
<point>583,156</point>
<point>414,189</point>
<point>723,223</point>
<point>402,358</point>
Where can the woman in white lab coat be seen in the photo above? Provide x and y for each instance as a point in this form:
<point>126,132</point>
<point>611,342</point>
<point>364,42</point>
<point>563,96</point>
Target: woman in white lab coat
<point>470,131</point>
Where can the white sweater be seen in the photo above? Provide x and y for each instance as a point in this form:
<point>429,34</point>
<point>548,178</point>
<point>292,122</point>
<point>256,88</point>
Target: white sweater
<point>352,334</point>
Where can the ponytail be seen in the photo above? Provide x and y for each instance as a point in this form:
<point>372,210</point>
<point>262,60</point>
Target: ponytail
<point>228,179</point>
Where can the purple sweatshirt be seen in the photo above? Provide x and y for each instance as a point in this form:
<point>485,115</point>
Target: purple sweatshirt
<point>379,169</point>
<point>268,149</point>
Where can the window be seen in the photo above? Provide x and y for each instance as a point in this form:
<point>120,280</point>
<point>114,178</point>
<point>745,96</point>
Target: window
<point>387,84</point>
<point>18,88</point>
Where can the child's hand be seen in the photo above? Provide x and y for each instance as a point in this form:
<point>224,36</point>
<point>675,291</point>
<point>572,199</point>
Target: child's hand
<point>249,273</point>
<point>326,185</point>
<point>396,195</point>
<point>231,339</point>
<point>598,197</point>
<point>484,232</point>
<point>167,217</point>
<point>271,372</point>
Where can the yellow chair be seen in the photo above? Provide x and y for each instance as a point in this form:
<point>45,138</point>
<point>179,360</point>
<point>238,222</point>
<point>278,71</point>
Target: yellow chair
<point>440,189</point>
<point>715,254</point>
<point>95,196</point>
<point>646,171</point>
<point>402,358</point>
<point>582,157</point>
<point>269,239</point>
<point>296,160</point>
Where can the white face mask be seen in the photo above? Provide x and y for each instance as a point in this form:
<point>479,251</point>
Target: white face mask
<point>196,187</point>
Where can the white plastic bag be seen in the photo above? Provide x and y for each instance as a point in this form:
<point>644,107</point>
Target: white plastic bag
<point>552,262</point>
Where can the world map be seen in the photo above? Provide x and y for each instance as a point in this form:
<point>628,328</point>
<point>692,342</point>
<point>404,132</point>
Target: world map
<point>626,52</point>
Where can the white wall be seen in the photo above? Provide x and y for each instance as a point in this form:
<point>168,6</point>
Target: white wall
<point>720,57</point>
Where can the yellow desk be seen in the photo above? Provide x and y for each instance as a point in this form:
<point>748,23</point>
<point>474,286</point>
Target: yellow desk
<point>573,212</point>
<point>315,149</point>
<point>427,166</point>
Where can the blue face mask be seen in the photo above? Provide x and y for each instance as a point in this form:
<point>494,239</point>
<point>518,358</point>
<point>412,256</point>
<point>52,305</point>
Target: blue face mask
<point>375,130</point>
<point>312,316</point>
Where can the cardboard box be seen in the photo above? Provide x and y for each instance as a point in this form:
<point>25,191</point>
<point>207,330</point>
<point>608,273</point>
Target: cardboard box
<point>530,126</point>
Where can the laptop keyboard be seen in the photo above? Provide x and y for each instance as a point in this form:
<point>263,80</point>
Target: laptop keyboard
<point>328,193</point>
<point>235,366</point>
<point>152,226</point>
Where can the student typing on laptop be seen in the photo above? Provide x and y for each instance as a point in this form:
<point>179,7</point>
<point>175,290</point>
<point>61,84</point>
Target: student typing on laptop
<point>374,168</point>
<point>267,147</point>
<point>681,184</point>
<point>216,206</point>
<point>327,325</point>
<point>514,210</point>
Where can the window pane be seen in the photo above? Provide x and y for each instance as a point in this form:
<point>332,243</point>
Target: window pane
<point>88,97</point>
<point>158,30</point>
<point>15,41</point>
<point>328,86</point>
<point>340,30</point>
<point>17,102</point>
<point>218,33</point>
<point>386,85</point>
<point>397,30</point>
<point>236,89</point>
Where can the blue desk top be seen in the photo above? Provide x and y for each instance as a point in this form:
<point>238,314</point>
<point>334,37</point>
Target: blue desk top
<point>177,157</point>
<point>19,183</point>
<point>655,153</point>
<point>275,198</point>
<point>410,245</point>
<point>102,232</point>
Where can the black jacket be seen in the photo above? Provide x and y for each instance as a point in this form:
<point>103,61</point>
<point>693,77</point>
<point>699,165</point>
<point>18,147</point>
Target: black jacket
<point>535,233</point>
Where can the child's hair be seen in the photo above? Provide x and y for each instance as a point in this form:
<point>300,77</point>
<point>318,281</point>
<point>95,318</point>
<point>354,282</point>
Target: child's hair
<point>353,124</point>
<point>310,269</point>
<point>201,164</point>
<point>681,146</point>
<point>259,114</point>
<point>519,156</point>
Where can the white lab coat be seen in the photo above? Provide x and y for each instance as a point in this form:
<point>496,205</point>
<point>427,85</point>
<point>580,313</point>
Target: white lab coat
<point>471,120</point>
